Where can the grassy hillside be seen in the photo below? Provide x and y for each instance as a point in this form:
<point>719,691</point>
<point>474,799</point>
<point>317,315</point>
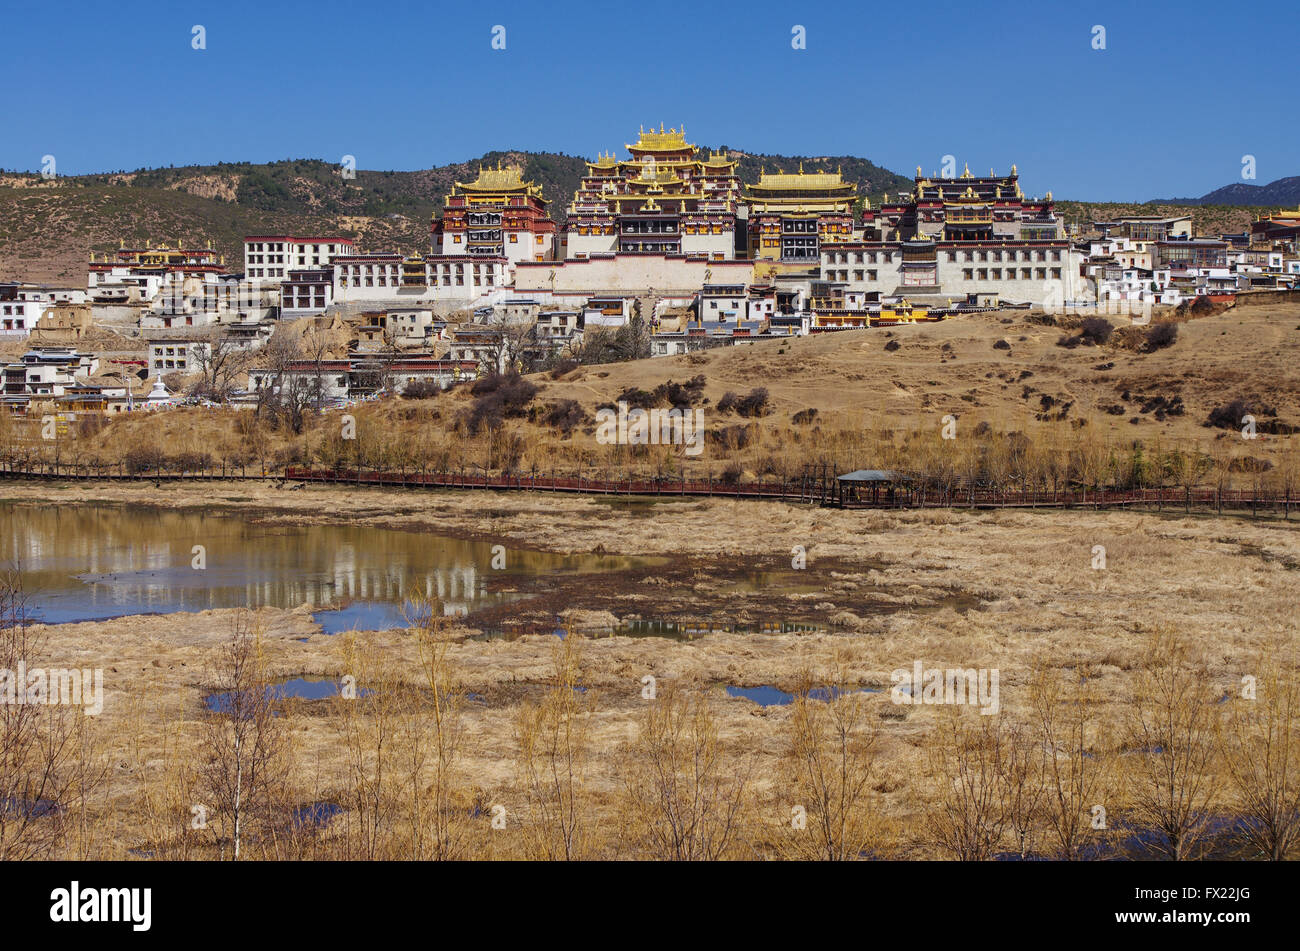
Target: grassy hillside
<point>1206,219</point>
<point>854,399</point>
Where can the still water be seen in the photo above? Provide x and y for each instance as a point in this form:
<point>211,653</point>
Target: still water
<point>89,562</point>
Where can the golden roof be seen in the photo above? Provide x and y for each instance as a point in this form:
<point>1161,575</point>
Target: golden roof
<point>803,181</point>
<point>509,178</point>
<point>671,141</point>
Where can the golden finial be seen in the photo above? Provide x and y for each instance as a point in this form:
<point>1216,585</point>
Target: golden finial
<point>1013,168</point>
<point>918,171</point>
<point>661,128</point>
<point>966,172</point>
<point>801,168</point>
<point>1049,196</point>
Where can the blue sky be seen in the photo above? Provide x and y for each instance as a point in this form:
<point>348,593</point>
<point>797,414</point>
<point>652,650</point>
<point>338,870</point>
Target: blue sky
<point>1180,94</point>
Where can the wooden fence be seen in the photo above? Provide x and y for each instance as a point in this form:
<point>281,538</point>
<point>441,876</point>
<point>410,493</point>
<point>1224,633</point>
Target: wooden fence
<point>812,488</point>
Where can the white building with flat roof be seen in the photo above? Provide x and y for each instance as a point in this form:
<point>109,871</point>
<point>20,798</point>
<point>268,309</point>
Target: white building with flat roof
<point>19,317</point>
<point>271,257</point>
<point>440,282</point>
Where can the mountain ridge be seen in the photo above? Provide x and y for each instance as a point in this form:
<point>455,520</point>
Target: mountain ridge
<point>1283,191</point>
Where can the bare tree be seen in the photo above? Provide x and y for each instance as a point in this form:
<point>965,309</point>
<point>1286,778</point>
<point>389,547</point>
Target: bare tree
<point>1074,773</point>
<point>372,726</point>
<point>1260,744</point>
<point>554,754</point>
<point>216,359</point>
<point>286,390</point>
<point>245,748</point>
<point>831,754</point>
<point>48,771</point>
<point>991,783</point>
<point>1171,736</point>
<point>438,828</point>
<point>508,343</point>
<point>684,795</point>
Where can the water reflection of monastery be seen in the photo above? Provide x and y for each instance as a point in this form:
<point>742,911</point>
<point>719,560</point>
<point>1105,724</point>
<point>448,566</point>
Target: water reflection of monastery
<point>114,558</point>
<point>458,588</point>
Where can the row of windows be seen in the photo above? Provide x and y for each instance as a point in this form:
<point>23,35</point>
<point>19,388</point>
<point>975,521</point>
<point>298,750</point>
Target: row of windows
<point>969,274</point>
<point>886,257</point>
<point>281,246</point>
<point>280,259</point>
<point>995,274</point>
<point>382,281</point>
<point>481,273</point>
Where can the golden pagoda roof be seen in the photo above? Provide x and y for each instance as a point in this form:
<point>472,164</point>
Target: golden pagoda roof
<point>508,178</point>
<point>803,180</point>
<point>674,140</point>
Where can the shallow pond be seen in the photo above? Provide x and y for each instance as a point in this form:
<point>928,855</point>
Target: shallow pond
<point>89,562</point>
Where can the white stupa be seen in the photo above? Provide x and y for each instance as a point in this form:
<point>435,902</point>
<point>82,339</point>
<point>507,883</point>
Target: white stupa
<point>158,396</point>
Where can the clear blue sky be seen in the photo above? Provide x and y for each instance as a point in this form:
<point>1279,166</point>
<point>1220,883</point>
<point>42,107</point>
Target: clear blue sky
<point>1180,94</point>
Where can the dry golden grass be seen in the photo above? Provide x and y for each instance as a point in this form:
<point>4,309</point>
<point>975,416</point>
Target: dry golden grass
<point>1223,584</point>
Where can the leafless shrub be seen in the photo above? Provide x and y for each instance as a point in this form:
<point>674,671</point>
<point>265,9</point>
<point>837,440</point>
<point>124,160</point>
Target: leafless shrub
<point>244,746</point>
<point>685,797</point>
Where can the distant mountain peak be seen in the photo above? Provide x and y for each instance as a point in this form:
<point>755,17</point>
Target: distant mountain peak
<point>1284,191</point>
